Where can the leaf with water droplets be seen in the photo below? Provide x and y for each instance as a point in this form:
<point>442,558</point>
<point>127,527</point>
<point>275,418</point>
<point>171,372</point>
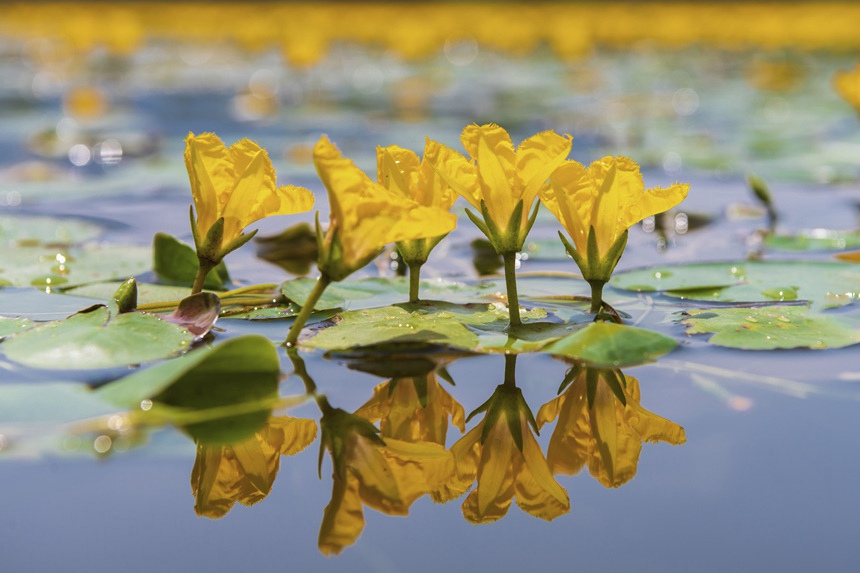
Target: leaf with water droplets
<point>92,338</point>
<point>62,268</point>
<point>771,327</point>
<point>823,283</point>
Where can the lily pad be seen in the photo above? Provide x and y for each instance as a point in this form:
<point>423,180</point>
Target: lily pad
<point>61,268</point>
<point>814,240</point>
<point>9,325</point>
<point>94,339</point>
<point>31,230</point>
<point>613,345</point>
<point>476,327</point>
<point>40,306</point>
<point>146,292</point>
<point>823,283</point>
<point>771,327</point>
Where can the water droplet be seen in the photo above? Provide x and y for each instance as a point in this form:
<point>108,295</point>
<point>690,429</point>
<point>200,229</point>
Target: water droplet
<point>102,444</point>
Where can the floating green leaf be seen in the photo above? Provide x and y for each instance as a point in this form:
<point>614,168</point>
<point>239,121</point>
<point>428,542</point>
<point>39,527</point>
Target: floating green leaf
<point>94,339</point>
<point>477,327</point>
<point>230,388</point>
<point>814,240</point>
<point>146,292</point>
<point>30,230</point>
<point>9,325</point>
<point>824,283</point>
<point>176,263</point>
<point>61,268</point>
<point>614,345</point>
<point>770,327</point>
<point>39,305</point>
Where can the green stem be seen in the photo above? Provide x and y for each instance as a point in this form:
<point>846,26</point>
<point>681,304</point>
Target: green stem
<point>203,269</point>
<point>511,284</point>
<point>596,295</point>
<point>414,282</point>
<point>511,370</point>
<point>292,337</point>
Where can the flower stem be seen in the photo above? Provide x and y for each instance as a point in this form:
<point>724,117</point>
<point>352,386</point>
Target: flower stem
<point>511,284</point>
<point>203,268</point>
<point>596,295</point>
<point>322,282</point>
<point>414,282</point>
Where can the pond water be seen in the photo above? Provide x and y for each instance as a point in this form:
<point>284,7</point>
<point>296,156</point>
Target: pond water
<point>765,477</point>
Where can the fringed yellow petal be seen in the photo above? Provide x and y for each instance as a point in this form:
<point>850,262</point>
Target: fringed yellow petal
<point>343,518</point>
<point>537,157</point>
<point>455,170</point>
<point>537,491</point>
<point>431,187</point>
<point>570,197</point>
<point>289,435</point>
<point>395,168</point>
<point>491,147</point>
<point>208,165</point>
<point>213,482</point>
<point>467,453</point>
<point>495,470</point>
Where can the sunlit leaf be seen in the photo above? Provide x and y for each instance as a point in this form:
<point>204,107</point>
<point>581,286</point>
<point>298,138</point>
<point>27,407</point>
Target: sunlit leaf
<point>770,327</point>
<point>610,344</point>
<point>828,284</point>
<point>94,339</point>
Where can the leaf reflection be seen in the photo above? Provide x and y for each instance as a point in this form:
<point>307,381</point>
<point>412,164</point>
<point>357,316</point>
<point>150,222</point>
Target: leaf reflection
<point>602,424</point>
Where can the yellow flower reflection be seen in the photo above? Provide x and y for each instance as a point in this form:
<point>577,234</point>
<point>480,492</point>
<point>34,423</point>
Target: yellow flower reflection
<point>596,206</point>
<point>245,471</point>
<point>400,171</point>
<point>414,409</point>
<point>232,188</point>
<point>385,474</point>
<point>847,84</point>
<point>602,424</point>
<point>504,456</point>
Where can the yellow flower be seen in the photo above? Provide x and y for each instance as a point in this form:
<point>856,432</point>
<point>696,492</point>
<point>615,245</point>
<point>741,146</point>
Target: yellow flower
<point>847,84</point>
<point>504,456</point>
<point>505,182</point>
<point>597,205</point>
<point>365,216</point>
<point>245,471</point>
<point>414,409</point>
<point>236,184</point>
<point>603,430</point>
<point>387,475</point>
<point>400,171</point>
